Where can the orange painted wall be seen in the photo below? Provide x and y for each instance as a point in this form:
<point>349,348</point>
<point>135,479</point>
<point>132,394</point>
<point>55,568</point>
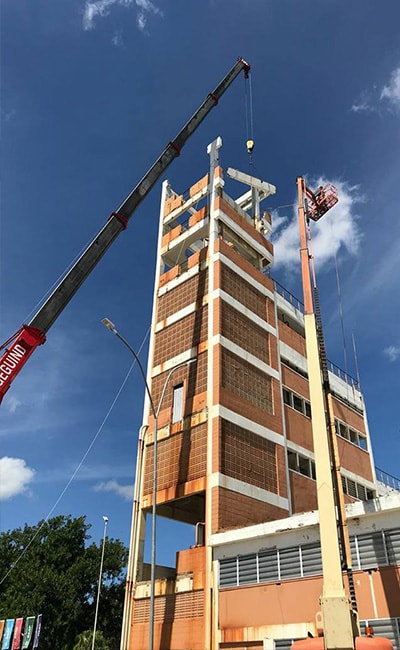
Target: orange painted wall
<point>296,601</point>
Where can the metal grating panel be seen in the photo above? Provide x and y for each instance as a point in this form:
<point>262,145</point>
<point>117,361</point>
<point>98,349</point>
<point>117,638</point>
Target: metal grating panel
<point>228,572</point>
<point>289,560</point>
<point>248,569</point>
<point>361,492</point>
<point>268,566</point>
<point>371,549</point>
<point>351,488</point>
<point>311,559</point>
<point>392,538</point>
<point>387,627</point>
<point>368,551</point>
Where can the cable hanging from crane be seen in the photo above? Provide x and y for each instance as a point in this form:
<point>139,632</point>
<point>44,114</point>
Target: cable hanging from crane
<point>248,99</point>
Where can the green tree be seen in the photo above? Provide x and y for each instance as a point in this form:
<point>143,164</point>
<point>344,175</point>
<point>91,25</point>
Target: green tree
<point>58,577</point>
<point>85,640</point>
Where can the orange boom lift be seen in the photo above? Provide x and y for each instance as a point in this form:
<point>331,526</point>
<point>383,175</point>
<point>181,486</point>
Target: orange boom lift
<point>338,618</point>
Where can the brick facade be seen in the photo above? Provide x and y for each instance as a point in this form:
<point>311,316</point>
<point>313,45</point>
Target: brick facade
<point>180,458</point>
<point>225,461</point>
<point>232,510</point>
<point>248,457</point>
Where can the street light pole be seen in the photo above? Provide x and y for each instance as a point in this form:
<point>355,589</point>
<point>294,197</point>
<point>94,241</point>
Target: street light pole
<point>155,412</point>
<point>105,519</point>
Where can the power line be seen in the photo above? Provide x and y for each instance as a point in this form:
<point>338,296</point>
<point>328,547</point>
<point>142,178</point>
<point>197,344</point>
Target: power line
<point>75,472</point>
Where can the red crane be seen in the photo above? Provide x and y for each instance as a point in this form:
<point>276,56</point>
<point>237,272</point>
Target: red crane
<point>19,347</point>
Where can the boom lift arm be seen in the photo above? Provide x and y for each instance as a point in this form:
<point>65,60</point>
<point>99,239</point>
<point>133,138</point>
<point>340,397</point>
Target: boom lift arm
<point>339,615</point>
<point>30,336</point>
<point>336,615</point>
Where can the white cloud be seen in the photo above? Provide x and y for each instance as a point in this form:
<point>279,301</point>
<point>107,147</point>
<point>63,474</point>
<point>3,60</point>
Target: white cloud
<point>365,102</point>
<point>141,21</point>
<point>117,39</point>
<point>336,230</point>
<point>13,403</point>
<point>370,101</point>
<point>391,92</point>
<point>125,491</point>
<point>94,9</point>
<point>361,106</point>
<point>15,475</point>
<point>100,8</point>
<point>392,352</point>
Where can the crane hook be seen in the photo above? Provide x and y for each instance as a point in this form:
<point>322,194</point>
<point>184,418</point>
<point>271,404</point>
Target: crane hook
<point>250,146</point>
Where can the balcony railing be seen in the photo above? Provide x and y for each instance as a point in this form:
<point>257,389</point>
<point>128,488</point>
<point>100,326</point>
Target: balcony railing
<point>387,479</point>
<point>332,367</point>
<point>289,297</point>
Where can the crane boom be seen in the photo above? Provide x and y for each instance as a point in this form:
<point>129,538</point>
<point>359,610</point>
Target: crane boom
<point>30,336</point>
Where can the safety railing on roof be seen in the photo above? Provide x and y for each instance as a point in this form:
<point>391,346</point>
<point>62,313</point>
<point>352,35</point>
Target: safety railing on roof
<point>332,367</point>
<point>387,479</point>
<point>344,376</point>
<point>289,297</point>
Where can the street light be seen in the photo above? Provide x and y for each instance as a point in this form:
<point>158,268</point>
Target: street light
<point>105,519</point>
<point>107,323</point>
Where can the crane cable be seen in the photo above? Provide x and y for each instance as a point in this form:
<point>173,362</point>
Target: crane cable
<point>248,101</point>
<point>342,324</point>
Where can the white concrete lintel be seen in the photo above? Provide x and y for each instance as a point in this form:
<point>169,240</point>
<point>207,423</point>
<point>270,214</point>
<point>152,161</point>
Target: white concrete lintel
<point>239,271</point>
<point>263,187</point>
<point>386,507</point>
<point>263,251</point>
<point>291,309</point>
<point>175,361</point>
<point>293,356</point>
<point>186,207</point>
<point>357,478</point>
<point>177,281</point>
<point>243,354</point>
<point>221,480</point>
<point>227,414</point>
<point>226,297</point>
<point>178,315</point>
<point>292,446</point>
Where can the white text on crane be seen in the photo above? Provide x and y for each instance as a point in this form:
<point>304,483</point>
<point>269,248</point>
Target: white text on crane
<point>10,362</point>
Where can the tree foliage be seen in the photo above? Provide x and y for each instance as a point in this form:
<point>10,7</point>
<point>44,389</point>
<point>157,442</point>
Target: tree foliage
<point>58,577</point>
<point>85,640</point>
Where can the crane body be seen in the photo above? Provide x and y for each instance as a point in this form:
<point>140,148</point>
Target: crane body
<point>21,345</point>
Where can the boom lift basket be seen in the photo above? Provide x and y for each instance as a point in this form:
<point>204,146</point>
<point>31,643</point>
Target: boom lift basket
<point>321,201</point>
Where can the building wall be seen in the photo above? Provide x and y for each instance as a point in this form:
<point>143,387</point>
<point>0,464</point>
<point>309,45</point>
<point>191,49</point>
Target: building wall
<point>267,596</point>
<point>225,463</point>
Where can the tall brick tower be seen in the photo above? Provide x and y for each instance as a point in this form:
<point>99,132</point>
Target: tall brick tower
<point>227,375</point>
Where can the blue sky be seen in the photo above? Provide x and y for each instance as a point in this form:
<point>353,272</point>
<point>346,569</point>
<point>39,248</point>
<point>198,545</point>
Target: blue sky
<point>91,93</point>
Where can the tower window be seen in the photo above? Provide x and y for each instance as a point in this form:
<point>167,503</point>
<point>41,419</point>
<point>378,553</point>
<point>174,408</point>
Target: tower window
<point>177,403</point>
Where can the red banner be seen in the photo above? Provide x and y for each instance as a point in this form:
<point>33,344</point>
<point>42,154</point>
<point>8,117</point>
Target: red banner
<point>16,644</point>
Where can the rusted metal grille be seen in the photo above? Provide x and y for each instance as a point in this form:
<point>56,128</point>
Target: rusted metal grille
<point>170,607</point>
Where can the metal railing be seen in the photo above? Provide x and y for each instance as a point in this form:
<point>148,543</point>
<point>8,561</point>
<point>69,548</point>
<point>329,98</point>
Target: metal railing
<point>289,297</point>
<point>332,367</point>
<point>344,376</point>
<point>387,479</point>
